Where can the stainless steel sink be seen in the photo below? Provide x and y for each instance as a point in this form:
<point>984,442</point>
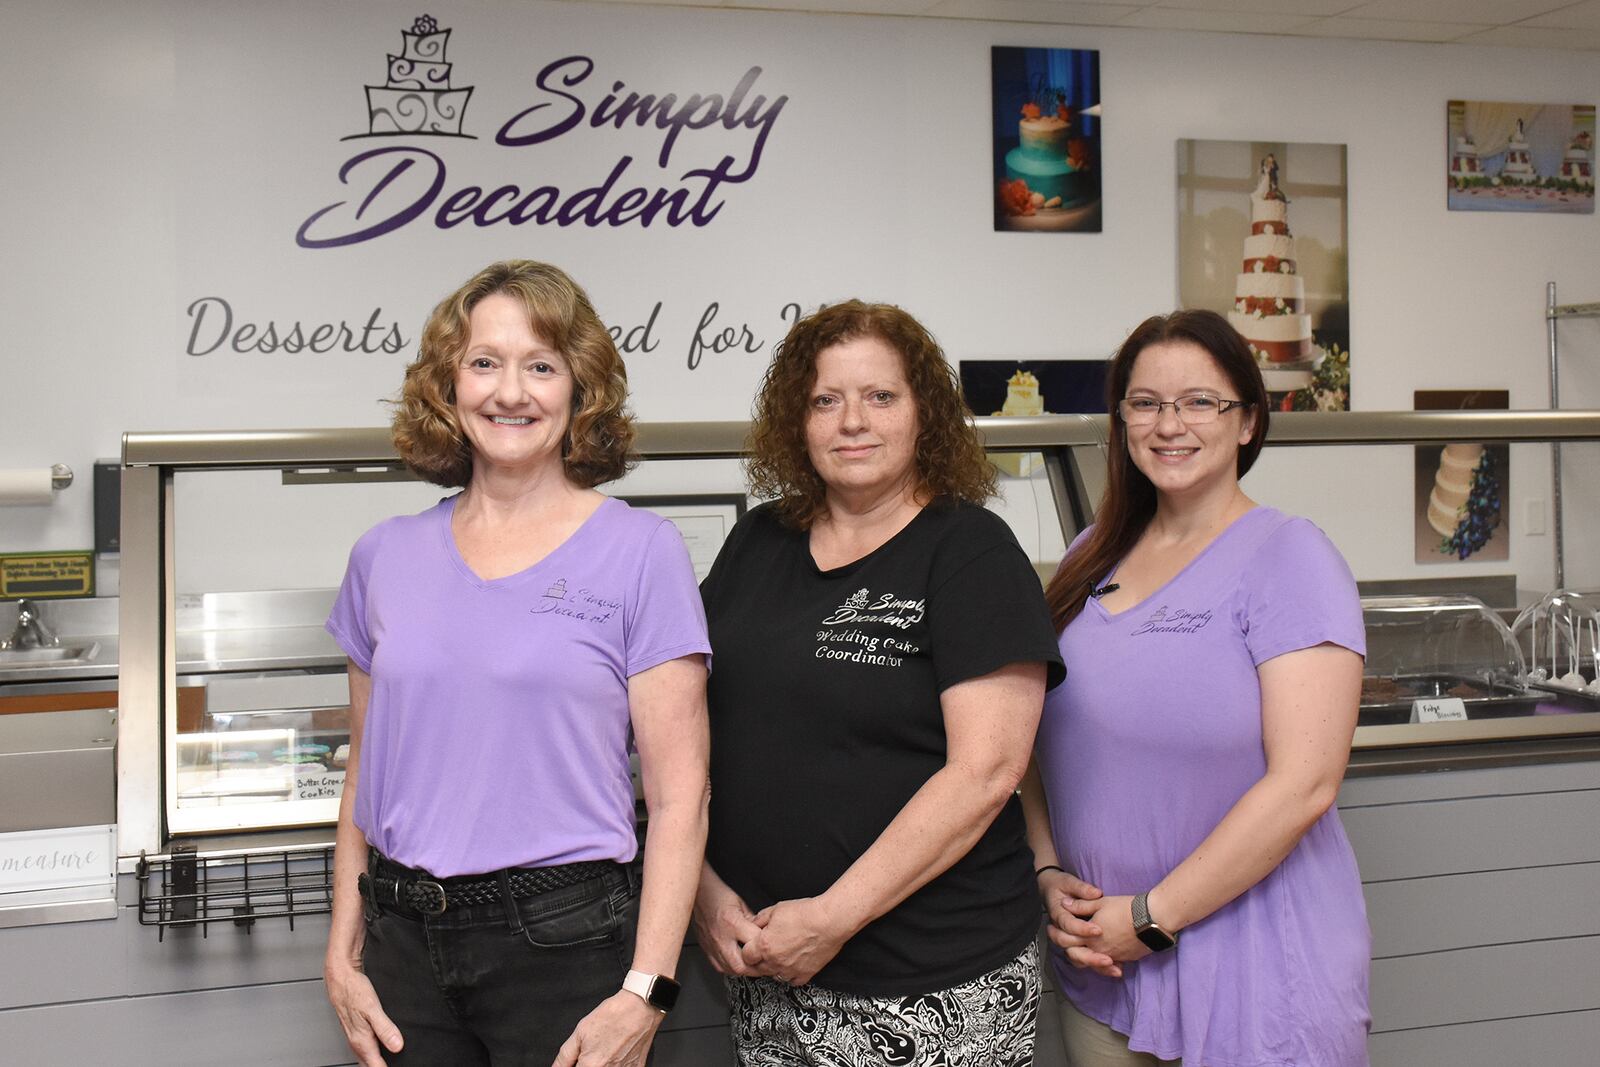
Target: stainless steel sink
<point>37,657</point>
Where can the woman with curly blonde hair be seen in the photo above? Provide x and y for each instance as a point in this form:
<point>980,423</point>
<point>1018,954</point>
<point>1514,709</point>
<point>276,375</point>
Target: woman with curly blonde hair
<point>503,646</point>
<point>883,651</point>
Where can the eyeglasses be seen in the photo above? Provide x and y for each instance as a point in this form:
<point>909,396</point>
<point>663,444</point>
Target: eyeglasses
<point>1194,409</point>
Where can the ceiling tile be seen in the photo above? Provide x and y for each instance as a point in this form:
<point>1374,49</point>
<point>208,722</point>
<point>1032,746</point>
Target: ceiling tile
<point>1280,7</point>
<point>1567,24</point>
<point>1165,18</point>
<point>1536,37</point>
<point>1051,11</point>
<point>1585,16</point>
<point>1389,29</point>
<point>832,7</point>
<point>1487,12</point>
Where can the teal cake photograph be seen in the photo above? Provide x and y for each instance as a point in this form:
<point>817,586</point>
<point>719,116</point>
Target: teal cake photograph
<point>1046,139</point>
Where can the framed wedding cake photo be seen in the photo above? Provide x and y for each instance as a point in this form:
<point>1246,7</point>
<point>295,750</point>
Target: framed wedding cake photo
<point>1046,143</point>
<point>1263,238</point>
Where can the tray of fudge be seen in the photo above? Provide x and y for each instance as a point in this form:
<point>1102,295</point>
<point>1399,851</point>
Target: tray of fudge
<point>1386,701</point>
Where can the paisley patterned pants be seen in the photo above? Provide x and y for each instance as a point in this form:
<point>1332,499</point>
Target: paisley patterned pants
<point>986,1022</point>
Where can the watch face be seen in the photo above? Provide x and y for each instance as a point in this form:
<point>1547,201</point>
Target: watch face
<point>1156,939</point>
<point>664,993</point>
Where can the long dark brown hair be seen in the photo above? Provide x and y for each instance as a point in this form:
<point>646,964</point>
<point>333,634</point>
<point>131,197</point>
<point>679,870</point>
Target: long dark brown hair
<point>1129,502</point>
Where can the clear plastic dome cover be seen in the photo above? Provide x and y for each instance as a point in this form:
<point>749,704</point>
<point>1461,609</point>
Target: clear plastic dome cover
<point>1559,636</point>
<point>1431,646</point>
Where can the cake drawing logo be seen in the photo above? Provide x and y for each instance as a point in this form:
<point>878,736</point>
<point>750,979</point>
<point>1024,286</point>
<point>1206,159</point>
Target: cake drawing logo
<point>417,98</point>
<point>395,185</point>
<point>553,597</point>
<point>1166,620</point>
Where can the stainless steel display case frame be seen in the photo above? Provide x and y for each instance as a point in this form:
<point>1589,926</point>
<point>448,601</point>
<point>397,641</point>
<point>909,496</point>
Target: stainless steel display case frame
<point>1072,446</point>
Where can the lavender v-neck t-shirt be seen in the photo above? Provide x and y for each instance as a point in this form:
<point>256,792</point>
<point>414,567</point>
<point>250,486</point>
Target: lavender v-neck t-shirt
<point>1152,738</point>
<point>498,730</point>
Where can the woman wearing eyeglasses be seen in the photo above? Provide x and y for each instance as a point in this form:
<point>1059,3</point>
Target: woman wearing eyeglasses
<point>1204,901</point>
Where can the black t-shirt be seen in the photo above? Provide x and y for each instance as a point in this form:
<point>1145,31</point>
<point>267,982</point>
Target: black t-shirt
<point>825,719</point>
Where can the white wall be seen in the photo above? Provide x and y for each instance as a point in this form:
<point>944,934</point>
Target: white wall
<point>157,153</point>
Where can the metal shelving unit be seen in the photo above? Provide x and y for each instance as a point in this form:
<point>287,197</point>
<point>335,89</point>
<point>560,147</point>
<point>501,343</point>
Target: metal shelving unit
<point>1553,313</point>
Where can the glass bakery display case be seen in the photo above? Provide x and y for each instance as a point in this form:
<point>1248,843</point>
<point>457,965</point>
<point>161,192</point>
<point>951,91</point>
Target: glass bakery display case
<point>233,550</point>
<point>1426,653</point>
<point>233,699</point>
<point>258,735</point>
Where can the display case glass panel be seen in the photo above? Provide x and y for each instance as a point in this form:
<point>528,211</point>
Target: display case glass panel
<point>258,735</point>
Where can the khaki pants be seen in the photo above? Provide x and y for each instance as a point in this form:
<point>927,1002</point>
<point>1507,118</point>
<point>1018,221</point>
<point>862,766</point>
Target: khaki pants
<point>1091,1043</point>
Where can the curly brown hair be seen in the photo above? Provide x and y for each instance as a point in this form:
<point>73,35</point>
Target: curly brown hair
<point>949,459</point>
<point>599,442</point>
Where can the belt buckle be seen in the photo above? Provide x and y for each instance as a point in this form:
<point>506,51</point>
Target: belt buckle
<point>426,897</point>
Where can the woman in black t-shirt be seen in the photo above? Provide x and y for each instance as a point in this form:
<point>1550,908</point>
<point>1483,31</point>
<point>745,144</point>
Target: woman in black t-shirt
<point>882,652</point>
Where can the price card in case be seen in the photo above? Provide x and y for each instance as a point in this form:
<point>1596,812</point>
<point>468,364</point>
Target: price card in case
<point>318,785</point>
<point>1439,709</point>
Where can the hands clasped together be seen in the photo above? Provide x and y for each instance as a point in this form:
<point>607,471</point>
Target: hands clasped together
<point>790,941</point>
<point>794,939</point>
<point>1095,931</point>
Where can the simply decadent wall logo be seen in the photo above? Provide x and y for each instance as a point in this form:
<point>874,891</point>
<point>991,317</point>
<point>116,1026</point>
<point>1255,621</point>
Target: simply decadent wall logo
<point>396,185</point>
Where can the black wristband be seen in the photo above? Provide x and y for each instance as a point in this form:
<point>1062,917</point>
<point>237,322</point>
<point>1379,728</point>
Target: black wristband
<point>1048,867</point>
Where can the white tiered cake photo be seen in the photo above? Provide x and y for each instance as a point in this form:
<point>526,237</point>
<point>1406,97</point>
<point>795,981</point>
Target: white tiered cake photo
<point>1465,161</point>
<point>1576,165</point>
<point>1519,163</point>
<point>1022,398</point>
<point>1520,157</point>
<point>1452,485</point>
<point>1269,293</point>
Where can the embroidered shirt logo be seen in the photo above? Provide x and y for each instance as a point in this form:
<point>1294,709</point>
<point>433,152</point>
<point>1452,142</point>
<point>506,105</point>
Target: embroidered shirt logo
<point>852,643</point>
<point>583,604</point>
<point>1166,620</point>
<point>862,606</point>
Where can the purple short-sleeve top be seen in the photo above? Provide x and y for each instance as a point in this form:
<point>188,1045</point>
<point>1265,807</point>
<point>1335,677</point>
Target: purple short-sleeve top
<point>1153,737</point>
<point>498,729</point>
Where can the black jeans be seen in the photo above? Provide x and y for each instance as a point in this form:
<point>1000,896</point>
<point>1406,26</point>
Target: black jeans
<point>486,985</point>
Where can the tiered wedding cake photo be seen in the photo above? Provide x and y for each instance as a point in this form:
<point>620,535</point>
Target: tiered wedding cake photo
<point>1520,157</point>
<point>1269,293</point>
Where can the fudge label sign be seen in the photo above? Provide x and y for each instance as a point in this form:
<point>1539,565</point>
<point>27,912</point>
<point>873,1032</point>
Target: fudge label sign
<point>393,185</point>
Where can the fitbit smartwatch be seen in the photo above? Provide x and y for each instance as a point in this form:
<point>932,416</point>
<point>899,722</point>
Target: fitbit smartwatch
<point>1147,929</point>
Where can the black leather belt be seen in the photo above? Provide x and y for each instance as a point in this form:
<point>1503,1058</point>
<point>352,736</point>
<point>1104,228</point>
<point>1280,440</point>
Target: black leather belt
<point>389,885</point>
